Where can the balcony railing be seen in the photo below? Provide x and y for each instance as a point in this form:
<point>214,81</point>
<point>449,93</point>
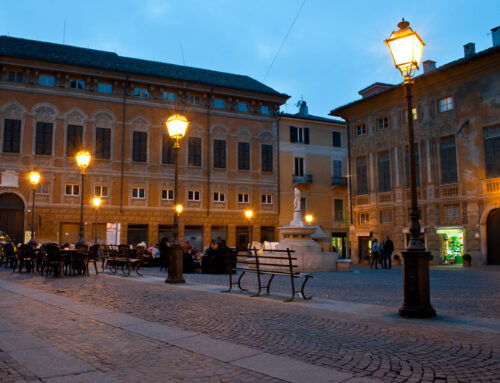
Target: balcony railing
<point>491,186</point>
<point>420,194</point>
<point>305,179</point>
<point>363,200</point>
<point>339,181</point>
<point>449,191</point>
<point>385,197</point>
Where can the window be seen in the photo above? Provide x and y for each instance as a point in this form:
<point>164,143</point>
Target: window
<point>452,212</point>
<point>384,172</point>
<point>193,195</point>
<point>11,136</point>
<point>219,197</point>
<point>448,158</point>
<point>338,210</point>
<point>219,103</point>
<point>264,109</point>
<point>141,92</point>
<point>242,106</point>
<point>336,139</point>
<point>363,218</point>
<point>491,151</point>
<point>194,100</point>
<point>167,194</point>
<point>298,167</point>
<point>361,130</point>
<point>445,104</point>
<point>267,199</point>
<point>46,80</point>
<point>43,138</point>
<point>104,88</point>
<point>73,140</point>
<point>16,76</point>
<point>72,189</point>
<point>303,206</point>
<point>243,155</point>
<point>299,135</point>
<point>43,188</point>
<point>361,176</point>
<point>219,154</point>
<point>101,191</point>
<point>382,123</point>
<point>407,166</point>
<point>167,150</point>
<point>413,113</point>
<point>169,96</point>
<point>243,197</point>
<point>103,143</point>
<point>139,146</point>
<point>194,151</point>
<point>77,84</point>
<point>385,216</point>
<point>138,193</point>
<point>337,168</point>
<point>267,158</point>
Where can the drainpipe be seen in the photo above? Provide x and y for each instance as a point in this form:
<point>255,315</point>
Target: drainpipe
<point>208,150</point>
<point>278,164</point>
<point>123,142</point>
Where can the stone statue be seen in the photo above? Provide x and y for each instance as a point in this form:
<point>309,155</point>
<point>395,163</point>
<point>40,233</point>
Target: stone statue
<point>296,200</point>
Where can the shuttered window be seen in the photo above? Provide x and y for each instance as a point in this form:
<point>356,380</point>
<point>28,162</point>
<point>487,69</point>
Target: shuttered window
<point>267,158</point>
<point>11,136</point>
<point>384,172</point>
<point>299,135</point>
<point>167,151</point>
<point>336,139</point>
<point>194,151</point>
<point>361,176</point>
<point>103,143</point>
<point>338,207</point>
<point>407,166</point>
<point>139,147</point>
<point>73,140</point>
<point>219,154</point>
<point>43,138</point>
<point>492,150</point>
<point>243,156</point>
<point>448,158</point>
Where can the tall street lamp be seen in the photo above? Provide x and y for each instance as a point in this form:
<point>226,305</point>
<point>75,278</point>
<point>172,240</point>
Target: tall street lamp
<point>83,160</point>
<point>406,50</point>
<point>176,126</point>
<point>34,179</point>
<point>249,215</point>
<point>97,202</point>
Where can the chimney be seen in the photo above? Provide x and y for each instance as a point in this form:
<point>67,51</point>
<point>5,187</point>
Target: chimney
<point>303,109</point>
<point>495,35</point>
<point>469,50</point>
<point>429,66</point>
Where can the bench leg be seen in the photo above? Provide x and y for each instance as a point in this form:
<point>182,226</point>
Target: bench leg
<point>303,286</point>
<point>239,282</point>
<point>137,270</point>
<point>268,285</point>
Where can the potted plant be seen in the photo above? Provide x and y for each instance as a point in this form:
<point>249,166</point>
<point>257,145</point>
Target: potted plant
<point>366,259</point>
<point>466,260</point>
<point>431,259</point>
<point>397,260</point>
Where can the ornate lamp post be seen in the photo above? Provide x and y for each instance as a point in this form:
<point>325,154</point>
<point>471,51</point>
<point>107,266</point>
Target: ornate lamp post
<point>34,179</point>
<point>249,215</point>
<point>83,161</point>
<point>97,202</point>
<point>176,126</point>
<point>406,50</point>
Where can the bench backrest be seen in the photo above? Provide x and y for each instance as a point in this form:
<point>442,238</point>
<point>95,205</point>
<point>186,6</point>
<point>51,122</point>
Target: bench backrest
<point>263,260</point>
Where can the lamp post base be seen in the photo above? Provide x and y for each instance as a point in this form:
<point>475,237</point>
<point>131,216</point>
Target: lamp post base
<point>175,265</point>
<point>417,302</point>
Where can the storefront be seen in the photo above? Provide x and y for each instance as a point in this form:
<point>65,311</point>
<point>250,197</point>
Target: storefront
<point>452,244</point>
<point>339,242</point>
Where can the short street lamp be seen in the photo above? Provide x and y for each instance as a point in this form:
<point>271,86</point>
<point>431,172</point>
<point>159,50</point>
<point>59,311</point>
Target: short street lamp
<point>83,161</point>
<point>97,202</point>
<point>406,50</point>
<point>176,126</point>
<point>249,215</point>
<point>34,179</point>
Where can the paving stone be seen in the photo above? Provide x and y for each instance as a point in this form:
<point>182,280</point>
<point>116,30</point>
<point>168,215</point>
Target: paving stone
<point>87,377</point>
<point>20,340</point>
<point>159,332</point>
<point>117,319</point>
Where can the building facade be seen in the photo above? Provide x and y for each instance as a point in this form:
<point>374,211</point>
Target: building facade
<point>457,140</point>
<point>56,99</point>
<point>313,158</point>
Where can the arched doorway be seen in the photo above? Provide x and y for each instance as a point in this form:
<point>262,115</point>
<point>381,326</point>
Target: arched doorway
<point>493,237</point>
<point>12,216</point>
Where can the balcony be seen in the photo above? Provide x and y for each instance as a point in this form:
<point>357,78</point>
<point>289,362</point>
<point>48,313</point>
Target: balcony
<point>491,186</point>
<point>339,181</point>
<point>363,200</point>
<point>385,197</point>
<point>449,191</point>
<point>420,194</point>
<point>305,179</point>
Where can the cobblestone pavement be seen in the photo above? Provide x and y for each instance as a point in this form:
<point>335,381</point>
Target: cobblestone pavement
<point>381,346</point>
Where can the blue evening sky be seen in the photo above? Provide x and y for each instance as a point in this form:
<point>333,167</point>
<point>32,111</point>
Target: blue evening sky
<point>334,49</point>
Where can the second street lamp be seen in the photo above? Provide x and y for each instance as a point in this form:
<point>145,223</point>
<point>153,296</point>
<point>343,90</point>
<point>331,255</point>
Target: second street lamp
<point>34,179</point>
<point>97,202</point>
<point>249,215</point>
<point>406,50</point>
<point>83,161</point>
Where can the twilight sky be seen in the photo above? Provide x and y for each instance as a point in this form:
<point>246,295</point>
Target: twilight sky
<point>334,49</point>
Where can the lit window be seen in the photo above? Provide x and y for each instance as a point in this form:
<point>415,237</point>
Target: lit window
<point>363,218</point>
<point>267,199</point>
<point>72,189</point>
<point>141,92</point>
<point>194,100</point>
<point>242,106</point>
<point>167,194</point>
<point>264,109</point>
<point>414,114</point>
<point>169,96</point>
<point>46,80</point>
<point>243,197</point>
<point>219,197</point>
<point>138,193</point>
<point>104,88</point>
<point>101,191</point>
<point>42,188</point>
<point>382,123</point>
<point>193,195</point>
<point>361,130</point>
<point>218,103</point>
<point>445,104</point>
<point>77,84</point>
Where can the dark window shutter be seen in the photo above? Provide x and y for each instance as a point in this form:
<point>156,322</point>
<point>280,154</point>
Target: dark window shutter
<point>167,153</point>
<point>43,138</point>
<point>492,158</point>
<point>267,158</point>
<point>384,172</point>
<point>361,176</point>
<point>293,134</point>
<point>73,140</point>
<point>336,139</point>
<point>139,147</point>
<point>306,135</point>
<point>12,136</point>
<point>243,156</point>
<point>448,160</point>
<point>219,154</point>
<point>103,143</point>
<point>194,151</point>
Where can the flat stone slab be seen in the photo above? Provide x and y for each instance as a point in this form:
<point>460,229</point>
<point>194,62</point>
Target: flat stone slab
<point>6,326</point>
<point>86,309</point>
<point>118,319</point>
<point>216,349</point>
<point>291,370</point>
<point>87,377</point>
<point>20,340</point>
<point>157,331</point>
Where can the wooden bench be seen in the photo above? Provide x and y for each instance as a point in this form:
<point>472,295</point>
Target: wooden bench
<point>272,263</point>
<point>122,258</point>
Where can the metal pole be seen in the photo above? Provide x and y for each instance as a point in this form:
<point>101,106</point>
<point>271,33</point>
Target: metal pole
<point>176,186</point>
<point>33,216</point>
<point>249,234</point>
<point>81,240</point>
<point>95,234</point>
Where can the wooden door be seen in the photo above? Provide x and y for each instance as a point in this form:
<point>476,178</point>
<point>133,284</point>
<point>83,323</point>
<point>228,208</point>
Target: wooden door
<point>493,237</point>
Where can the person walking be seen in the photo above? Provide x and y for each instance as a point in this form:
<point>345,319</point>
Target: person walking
<point>381,254</point>
<point>388,249</point>
<point>375,254</point>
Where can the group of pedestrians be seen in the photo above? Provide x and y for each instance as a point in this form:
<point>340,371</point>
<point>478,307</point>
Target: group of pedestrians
<point>382,253</point>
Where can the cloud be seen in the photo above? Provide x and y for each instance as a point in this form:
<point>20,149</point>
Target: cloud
<point>156,8</point>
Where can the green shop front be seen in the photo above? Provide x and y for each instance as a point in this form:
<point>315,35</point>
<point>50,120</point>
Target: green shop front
<point>452,244</point>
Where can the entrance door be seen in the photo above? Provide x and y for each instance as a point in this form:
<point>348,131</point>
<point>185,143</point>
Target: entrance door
<point>12,216</point>
<point>339,242</point>
<point>493,237</point>
<point>364,248</point>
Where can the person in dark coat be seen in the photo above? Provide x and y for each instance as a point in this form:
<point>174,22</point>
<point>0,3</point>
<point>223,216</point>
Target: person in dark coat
<point>163,253</point>
<point>388,249</point>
